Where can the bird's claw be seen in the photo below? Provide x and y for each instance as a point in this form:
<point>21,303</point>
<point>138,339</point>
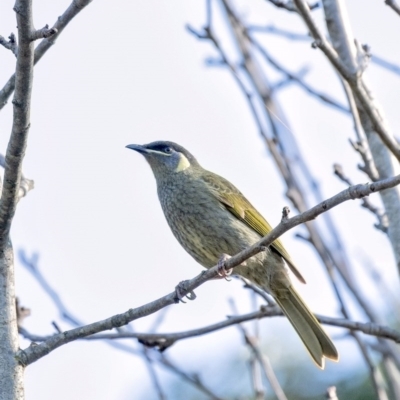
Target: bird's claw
<point>222,271</point>
<point>180,292</point>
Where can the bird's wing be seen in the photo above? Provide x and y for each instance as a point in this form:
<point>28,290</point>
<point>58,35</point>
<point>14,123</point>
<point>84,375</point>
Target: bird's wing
<point>234,201</point>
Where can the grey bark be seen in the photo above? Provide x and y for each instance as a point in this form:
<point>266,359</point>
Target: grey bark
<point>11,372</point>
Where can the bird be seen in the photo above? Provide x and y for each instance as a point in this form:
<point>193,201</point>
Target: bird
<point>213,220</point>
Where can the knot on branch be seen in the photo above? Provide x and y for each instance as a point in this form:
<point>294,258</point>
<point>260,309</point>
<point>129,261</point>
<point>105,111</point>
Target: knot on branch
<point>316,43</point>
<point>285,214</point>
<point>356,192</point>
<point>160,344</point>
<point>43,33</point>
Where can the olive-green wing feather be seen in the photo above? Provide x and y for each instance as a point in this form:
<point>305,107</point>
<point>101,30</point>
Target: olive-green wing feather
<point>241,208</point>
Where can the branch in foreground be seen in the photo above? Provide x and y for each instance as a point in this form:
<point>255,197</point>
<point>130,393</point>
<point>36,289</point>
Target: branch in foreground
<point>74,8</point>
<point>263,360</point>
<point>34,353</point>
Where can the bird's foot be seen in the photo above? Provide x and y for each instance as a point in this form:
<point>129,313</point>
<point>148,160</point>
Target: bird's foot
<point>222,271</point>
<point>181,292</point>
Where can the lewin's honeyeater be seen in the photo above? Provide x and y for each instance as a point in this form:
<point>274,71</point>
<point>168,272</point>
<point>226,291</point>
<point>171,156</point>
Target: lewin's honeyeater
<point>210,218</point>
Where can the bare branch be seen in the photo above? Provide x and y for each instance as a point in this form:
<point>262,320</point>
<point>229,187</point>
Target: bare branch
<point>10,44</point>
<point>390,66</point>
<point>293,77</point>
<point>74,8</point>
<point>393,5</point>
<point>193,379</point>
<point>153,374</point>
<point>280,32</point>
<point>351,76</point>
<point>263,361</point>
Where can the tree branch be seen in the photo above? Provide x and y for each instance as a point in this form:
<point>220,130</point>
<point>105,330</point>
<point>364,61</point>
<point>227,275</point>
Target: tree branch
<point>393,5</point>
<point>351,76</point>
<point>10,44</point>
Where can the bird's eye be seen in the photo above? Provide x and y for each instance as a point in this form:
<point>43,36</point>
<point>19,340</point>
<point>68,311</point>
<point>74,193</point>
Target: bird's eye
<point>168,150</point>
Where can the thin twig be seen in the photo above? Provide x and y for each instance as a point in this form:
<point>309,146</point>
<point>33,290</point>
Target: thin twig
<point>383,223</point>
<point>262,359</point>
<point>10,44</point>
<point>193,379</point>
<point>152,372</point>
<point>361,145</point>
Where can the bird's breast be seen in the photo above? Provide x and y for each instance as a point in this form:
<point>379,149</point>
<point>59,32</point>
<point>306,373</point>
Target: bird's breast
<point>201,224</point>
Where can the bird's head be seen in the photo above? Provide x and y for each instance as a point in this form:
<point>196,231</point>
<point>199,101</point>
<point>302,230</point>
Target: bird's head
<point>165,158</point>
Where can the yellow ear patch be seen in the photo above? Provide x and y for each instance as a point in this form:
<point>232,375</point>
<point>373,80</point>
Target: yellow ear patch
<point>182,164</point>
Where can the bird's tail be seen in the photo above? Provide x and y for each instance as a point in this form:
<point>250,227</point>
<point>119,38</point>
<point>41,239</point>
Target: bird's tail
<point>307,326</point>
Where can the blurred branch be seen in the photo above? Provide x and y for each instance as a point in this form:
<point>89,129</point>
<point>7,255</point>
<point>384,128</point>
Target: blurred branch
<point>352,76</point>
<point>280,32</point>
<point>74,8</point>
<point>262,360</point>
<point>393,5</point>
<point>193,379</point>
<point>289,6</point>
<point>383,223</point>
<point>376,378</point>
<point>31,264</point>
<point>294,36</point>
<point>10,44</point>
<point>385,64</point>
<point>321,96</point>
<point>153,374</point>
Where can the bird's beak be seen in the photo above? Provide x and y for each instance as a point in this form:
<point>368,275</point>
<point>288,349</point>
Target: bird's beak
<point>137,147</point>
